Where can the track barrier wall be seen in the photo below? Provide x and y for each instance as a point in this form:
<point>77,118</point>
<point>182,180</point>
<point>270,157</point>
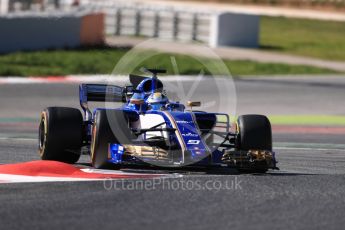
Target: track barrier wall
<point>32,31</point>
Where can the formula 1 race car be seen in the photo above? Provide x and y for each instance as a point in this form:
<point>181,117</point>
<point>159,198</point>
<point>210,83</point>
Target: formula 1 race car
<point>149,129</point>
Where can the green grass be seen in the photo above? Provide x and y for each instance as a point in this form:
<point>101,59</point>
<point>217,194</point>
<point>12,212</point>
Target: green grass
<point>319,39</point>
<point>59,62</point>
<point>103,61</point>
<point>314,38</point>
<point>307,120</point>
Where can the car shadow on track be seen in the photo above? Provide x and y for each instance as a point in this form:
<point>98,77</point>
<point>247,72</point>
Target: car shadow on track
<point>194,171</point>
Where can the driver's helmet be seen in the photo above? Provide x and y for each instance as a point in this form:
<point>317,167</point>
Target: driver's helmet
<point>157,100</point>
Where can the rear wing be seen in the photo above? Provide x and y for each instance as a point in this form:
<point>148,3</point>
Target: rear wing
<point>100,93</point>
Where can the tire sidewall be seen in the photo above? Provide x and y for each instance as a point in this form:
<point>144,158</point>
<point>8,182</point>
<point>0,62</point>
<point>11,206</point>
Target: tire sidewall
<point>62,132</point>
<point>254,133</point>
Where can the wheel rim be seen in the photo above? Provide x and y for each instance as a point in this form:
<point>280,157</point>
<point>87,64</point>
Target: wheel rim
<point>41,135</point>
<point>93,143</point>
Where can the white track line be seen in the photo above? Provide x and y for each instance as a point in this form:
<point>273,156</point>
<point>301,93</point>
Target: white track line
<point>12,178</point>
<point>111,172</point>
<point>308,149</point>
<point>9,178</point>
<point>309,146</point>
<point>17,139</point>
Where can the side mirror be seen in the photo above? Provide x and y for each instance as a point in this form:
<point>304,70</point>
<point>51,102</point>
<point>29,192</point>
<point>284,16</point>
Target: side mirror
<point>194,103</point>
<point>129,89</point>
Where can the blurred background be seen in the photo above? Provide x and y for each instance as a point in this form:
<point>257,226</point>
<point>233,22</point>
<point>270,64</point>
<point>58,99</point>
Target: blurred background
<point>287,57</point>
<point>253,37</point>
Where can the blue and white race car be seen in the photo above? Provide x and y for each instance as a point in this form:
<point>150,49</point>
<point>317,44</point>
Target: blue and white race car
<point>149,129</point>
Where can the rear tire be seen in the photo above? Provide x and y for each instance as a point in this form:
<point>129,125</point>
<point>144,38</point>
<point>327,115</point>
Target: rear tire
<point>103,135</point>
<point>60,134</point>
<point>254,133</point>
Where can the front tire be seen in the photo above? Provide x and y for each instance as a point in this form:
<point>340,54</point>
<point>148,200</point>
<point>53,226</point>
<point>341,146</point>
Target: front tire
<point>60,134</point>
<point>107,123</point>
<point>254,133</point>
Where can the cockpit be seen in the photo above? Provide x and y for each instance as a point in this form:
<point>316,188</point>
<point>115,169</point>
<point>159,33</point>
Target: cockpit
<point>157,101</point>
<point>148,94</point>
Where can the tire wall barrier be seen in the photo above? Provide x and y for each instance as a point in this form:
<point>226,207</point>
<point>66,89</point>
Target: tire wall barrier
<point>233,29</point>
<point>21,32</point>
<point>188,25</point>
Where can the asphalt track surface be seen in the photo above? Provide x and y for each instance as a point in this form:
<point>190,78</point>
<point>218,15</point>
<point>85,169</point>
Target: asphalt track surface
<point>307,193</point>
